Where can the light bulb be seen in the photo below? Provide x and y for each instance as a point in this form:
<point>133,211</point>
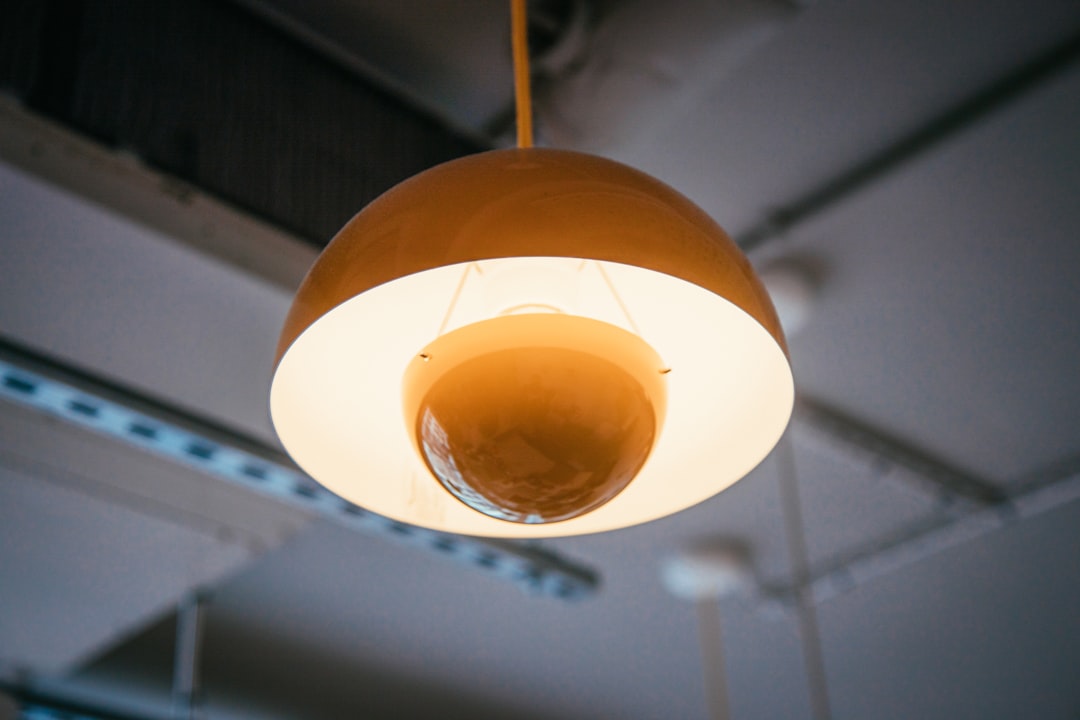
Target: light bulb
<point>535,418</point>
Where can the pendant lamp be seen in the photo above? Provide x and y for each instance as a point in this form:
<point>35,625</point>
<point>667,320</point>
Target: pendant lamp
<point>530,343</point>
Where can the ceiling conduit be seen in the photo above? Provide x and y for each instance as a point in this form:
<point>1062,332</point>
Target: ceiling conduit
<point>644,64</point>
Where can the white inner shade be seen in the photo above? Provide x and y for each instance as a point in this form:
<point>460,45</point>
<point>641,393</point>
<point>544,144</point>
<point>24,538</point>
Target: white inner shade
<point>336,399</point>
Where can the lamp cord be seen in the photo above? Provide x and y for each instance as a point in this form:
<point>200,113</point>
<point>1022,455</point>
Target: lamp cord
<point>522,90</point>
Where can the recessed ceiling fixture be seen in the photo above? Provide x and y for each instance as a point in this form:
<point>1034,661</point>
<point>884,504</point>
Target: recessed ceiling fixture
<point>530,342</point>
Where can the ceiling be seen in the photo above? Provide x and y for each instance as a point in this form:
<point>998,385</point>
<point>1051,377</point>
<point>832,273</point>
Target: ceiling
<point>941,343</point>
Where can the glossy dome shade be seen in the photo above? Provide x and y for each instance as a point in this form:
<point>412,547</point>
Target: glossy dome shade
<point>381,290</point>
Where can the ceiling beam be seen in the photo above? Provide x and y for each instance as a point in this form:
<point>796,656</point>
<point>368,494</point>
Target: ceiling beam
<point>155,426</point>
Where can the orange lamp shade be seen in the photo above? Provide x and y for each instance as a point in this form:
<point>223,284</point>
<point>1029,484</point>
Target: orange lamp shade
<point>530,343</point>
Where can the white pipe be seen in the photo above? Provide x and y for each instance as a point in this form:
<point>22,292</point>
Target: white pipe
<point>922,543</point>
<point>648,62</point>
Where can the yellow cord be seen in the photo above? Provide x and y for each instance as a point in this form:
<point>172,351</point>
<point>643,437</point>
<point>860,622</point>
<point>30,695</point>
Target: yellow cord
<point>523,100</point>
